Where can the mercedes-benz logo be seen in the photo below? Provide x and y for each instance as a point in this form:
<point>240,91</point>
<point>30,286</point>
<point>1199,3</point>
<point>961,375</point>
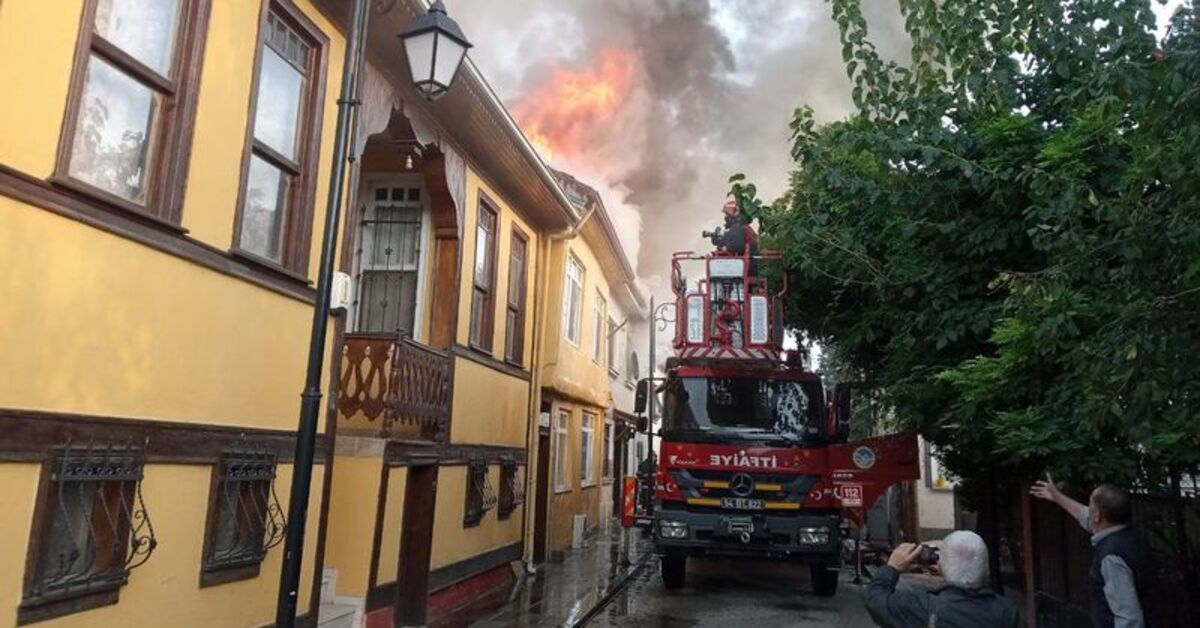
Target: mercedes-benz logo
<point>741,484</point>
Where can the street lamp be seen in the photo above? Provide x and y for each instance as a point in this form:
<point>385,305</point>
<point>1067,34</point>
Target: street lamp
<point>435,46</point>
<point>436,30</point>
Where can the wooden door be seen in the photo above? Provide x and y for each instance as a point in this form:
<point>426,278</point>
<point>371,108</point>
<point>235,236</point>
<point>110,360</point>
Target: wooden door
<point>416,546</point>
<point>543,497</point>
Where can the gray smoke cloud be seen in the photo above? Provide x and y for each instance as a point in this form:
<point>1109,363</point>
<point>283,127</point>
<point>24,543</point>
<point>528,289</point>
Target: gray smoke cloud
<point>714,86</point>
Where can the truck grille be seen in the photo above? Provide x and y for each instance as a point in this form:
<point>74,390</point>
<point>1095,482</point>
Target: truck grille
<point>772,487</point>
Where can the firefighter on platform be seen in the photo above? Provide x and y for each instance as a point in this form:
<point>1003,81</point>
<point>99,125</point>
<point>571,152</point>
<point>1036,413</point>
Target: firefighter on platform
<point>736,237</point>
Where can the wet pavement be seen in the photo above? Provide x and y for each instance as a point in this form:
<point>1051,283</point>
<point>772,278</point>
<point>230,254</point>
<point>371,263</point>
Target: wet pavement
<point>734,594</point>
<point>590,585</point>
<point>565,590</point>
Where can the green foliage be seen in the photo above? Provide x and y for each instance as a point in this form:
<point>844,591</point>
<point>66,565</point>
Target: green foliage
<point>1006,237</point>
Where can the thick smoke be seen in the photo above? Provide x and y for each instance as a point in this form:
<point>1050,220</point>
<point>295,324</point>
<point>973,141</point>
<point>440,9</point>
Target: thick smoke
<point>715,82</point>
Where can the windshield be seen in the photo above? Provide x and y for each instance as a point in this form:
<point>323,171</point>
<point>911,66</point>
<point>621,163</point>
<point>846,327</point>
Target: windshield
<point>743,407</point>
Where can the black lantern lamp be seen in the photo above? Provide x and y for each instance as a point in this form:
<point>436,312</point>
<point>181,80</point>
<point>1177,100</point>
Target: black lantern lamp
<point>435,46</point>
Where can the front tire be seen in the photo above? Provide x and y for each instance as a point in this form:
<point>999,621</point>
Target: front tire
<point>825,580</point>
<point>674,571</point>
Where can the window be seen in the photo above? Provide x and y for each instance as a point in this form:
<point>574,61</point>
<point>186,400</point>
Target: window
<point>132,102</point>
<point>587,448</point>
<point>608,449</point>
<point>512,488</point>
<point>482,295</point>
<point>389,258</point>
<point>562,423</point>
<point>514,326</point>
<point>245,519</point>
<point>599,315</point>
<point>481,497</point>
<point>91,529</point>
<point>274,220</point>
<point>573,300</point>
<point>611,360</point>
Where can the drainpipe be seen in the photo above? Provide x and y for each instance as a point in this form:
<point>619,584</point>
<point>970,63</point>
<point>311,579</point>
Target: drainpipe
<point>310,408</point>
<point>532,430</point>
<point>573,230</point>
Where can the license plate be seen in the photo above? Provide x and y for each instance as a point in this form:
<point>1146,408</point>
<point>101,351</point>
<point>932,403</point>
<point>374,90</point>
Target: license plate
<point>741,503</point>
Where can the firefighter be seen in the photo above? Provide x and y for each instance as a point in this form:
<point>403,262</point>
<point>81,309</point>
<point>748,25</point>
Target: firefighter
<point>736,236</point>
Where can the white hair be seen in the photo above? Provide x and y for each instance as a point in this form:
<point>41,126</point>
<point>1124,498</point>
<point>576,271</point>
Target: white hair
<point>963,560</point>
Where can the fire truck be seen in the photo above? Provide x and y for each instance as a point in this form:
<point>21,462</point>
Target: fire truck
<point>755,460</point>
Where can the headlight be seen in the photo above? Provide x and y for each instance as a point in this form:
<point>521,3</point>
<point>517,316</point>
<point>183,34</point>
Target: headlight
<point>814,536</point>
<point>672,529</point>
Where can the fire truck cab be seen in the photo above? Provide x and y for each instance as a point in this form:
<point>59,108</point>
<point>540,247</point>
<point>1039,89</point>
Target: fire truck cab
<point>753,459</point>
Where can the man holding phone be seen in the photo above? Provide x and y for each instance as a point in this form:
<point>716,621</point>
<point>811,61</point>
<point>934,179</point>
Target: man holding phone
<point>965,602</point>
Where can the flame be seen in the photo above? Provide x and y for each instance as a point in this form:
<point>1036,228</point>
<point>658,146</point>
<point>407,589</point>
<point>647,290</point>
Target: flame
<point>560,116</point>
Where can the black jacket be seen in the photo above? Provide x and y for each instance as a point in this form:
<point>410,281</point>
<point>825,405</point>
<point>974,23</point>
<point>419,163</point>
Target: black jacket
<point>955,607</point>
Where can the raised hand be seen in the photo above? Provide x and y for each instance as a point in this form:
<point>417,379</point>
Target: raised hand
<point>1045,489</point>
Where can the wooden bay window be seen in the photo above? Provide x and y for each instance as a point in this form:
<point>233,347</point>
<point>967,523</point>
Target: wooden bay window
<point>131,105</point>
<point>483,291</point>
<point>512,487</point>
<point>245,519</point>
<point>275,205</point>
<point>91,529</point>
<point>514,333</point>
<point>481,497</point>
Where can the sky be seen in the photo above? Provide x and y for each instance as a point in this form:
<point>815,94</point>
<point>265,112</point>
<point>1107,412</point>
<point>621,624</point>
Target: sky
<point>696,90</point>
<point>655,103</point>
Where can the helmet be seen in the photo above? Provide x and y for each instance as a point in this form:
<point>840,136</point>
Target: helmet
<point>730,208</point>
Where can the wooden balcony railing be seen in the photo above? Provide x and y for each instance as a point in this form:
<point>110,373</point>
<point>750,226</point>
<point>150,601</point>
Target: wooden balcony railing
<point>393,386</point>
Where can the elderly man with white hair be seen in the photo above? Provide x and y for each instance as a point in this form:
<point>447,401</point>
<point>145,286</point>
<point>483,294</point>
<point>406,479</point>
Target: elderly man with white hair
<point>965,601</point>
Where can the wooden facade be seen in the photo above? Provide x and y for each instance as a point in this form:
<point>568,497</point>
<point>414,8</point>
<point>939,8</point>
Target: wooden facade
<point>149,359</point>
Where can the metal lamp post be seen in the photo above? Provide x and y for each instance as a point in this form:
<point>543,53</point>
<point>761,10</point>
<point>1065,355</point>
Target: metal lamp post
<point>435,47</point>
<point>432,39</point>
<point>658,322</point>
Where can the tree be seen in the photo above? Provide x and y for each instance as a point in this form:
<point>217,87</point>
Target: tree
<point>1005,238</point>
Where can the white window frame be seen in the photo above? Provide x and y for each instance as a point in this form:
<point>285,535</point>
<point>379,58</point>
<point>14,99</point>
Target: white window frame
<point>611,360</point>
<point>599,322</point>
<point>587,450</point>
<point>609,461</point>
<point>561,451</point>
<point>366,195</point>
<point>573,299</point>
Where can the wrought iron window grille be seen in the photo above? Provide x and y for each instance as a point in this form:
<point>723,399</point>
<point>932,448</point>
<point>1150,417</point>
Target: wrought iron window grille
<point>95,527</point>
<point>512,489</point>
<point>481,497</point>
<point>245,517</point>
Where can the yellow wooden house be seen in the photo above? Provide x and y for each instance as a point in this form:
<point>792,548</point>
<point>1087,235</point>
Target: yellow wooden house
<point>160,165</point>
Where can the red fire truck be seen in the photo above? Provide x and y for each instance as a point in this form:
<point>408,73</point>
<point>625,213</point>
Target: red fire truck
<point>755,459</point>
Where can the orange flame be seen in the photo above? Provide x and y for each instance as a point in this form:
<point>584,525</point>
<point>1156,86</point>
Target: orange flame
<point>560,116</point>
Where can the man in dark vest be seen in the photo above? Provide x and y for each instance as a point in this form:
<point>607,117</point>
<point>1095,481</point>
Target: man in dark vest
<point>1123,579</point>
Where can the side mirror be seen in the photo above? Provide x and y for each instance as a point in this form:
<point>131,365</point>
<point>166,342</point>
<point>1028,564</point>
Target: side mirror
<point>642,396</point>
<point>643,424</point>
<point>842,397</point>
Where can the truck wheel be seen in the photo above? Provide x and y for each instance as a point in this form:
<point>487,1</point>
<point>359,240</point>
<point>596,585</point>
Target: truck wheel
<point>674,571</point>
<point>825,580</point>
